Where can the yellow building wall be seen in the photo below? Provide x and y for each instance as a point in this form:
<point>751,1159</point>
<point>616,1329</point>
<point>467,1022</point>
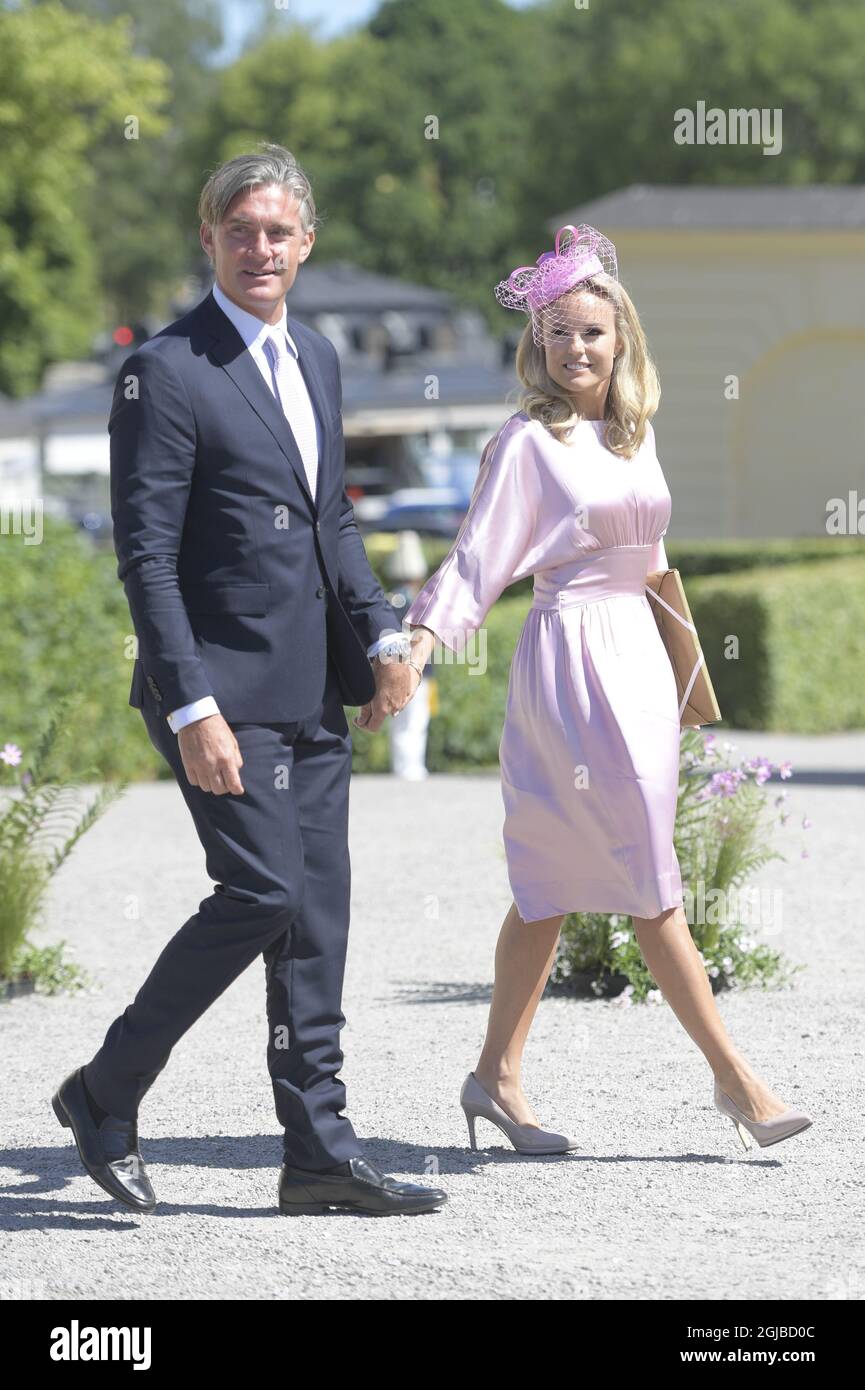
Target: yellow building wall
<point>782,315</point>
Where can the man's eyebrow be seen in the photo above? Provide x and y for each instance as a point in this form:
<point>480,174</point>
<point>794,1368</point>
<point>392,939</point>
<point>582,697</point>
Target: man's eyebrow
<point>240,219</point>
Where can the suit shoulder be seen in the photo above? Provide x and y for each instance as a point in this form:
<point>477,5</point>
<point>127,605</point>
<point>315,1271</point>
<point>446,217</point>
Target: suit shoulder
<point>152,358</point>
<point>178,339</point>
<point>170,348</point>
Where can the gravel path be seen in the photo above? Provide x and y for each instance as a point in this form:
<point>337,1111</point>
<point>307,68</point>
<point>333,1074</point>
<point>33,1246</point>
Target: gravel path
<point>659,1201</point>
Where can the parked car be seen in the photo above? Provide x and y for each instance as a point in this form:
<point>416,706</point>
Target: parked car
<point>429,511</point>
<point>457,470</point>
<point>434,508</point>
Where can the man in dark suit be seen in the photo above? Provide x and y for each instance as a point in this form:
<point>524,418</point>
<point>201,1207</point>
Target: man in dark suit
<point>257,618</point>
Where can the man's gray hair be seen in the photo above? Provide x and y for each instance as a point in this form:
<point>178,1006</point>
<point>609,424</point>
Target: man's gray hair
<point>274,164</point>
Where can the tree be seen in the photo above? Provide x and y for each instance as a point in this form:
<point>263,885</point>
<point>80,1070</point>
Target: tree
<point>616,74</point>
<point>66,83</point>
<point>143,223</point>
<point>408,130</point>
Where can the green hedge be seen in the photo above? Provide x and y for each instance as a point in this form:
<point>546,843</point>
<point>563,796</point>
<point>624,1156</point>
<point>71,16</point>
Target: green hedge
<point>801,631</point>
<point>64,627</point>
<point>728,557</point>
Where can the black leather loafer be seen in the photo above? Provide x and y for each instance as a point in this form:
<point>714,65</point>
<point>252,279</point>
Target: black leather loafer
<point>109,1151</point>
<point>356,1184</point>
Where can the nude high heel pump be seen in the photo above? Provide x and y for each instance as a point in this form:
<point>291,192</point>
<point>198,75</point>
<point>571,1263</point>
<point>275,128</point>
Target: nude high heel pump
<point>526,1139</point>
<point>766,1132</point>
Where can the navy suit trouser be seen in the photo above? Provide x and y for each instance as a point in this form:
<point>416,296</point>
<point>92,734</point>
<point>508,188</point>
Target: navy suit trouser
<point>280,862</point>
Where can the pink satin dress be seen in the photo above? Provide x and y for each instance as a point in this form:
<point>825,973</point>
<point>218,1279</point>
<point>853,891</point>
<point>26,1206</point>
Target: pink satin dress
<point>589,751</point>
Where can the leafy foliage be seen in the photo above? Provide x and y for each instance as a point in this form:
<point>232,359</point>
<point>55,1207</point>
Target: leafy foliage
<point>39,826</point>
<point>67,83</point>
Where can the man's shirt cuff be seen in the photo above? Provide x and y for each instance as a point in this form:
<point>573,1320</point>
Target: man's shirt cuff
<point>179,718</point>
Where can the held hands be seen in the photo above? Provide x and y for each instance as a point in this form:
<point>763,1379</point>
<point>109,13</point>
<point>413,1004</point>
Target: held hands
<point>396,683</point>
<point>211,755</point>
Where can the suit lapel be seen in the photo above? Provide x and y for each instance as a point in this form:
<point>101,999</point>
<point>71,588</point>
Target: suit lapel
<point>230,351</point>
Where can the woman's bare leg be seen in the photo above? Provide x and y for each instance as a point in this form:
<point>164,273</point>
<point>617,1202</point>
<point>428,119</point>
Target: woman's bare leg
<point>525,953</point>
<point>524,958</point>
<point>674,962</point>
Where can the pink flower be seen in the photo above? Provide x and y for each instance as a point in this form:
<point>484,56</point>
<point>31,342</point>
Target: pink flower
<point>785,769</point>
<point>761,768</point>
<point>10,753</point>
<point>725,783</point>
<point>806,823</point>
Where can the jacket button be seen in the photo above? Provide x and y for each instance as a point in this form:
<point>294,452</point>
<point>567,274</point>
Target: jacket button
<point>318,527</point>
<point>320,591</point>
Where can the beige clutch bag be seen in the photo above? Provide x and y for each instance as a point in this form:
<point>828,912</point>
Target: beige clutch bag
<point>697,702</point>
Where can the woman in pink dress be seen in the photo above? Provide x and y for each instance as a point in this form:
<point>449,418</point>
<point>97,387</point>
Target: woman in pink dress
<point>570,490</point>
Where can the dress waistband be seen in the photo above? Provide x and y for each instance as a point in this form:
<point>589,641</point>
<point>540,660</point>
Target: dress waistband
<point>598,574</point>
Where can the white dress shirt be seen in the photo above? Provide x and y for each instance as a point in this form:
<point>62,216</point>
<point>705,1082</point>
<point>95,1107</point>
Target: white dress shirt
<point>254,334</point>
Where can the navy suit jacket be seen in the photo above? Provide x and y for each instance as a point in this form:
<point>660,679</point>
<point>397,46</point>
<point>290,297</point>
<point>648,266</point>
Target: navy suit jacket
<point>240,583</point>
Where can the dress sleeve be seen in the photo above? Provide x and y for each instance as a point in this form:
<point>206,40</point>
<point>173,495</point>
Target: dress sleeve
<point>658,556</point>
<point>493,547</point>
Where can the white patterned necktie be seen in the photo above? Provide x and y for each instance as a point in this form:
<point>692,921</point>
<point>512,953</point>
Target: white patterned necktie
<point>295,401</point>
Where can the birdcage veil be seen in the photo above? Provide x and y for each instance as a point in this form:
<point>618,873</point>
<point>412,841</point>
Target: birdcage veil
<point>541,290</point>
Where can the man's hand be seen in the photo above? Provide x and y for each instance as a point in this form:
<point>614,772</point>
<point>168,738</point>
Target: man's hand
<point>211,755</point>
<point>395,684</point>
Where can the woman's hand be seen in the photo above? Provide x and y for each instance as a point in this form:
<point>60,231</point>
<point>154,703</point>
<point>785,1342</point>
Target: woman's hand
<point>396,682</point>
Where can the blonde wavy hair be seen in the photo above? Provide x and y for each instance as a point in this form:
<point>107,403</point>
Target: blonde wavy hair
<point>634,391</point>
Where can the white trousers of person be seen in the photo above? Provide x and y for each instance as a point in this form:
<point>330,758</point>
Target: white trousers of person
<point>407,732</point>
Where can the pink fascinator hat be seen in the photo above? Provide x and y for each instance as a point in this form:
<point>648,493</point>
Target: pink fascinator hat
<point>580,253</point>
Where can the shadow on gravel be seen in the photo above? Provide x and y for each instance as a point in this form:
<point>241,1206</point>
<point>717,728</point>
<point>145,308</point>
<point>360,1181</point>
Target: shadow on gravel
<point>39,1202</point>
